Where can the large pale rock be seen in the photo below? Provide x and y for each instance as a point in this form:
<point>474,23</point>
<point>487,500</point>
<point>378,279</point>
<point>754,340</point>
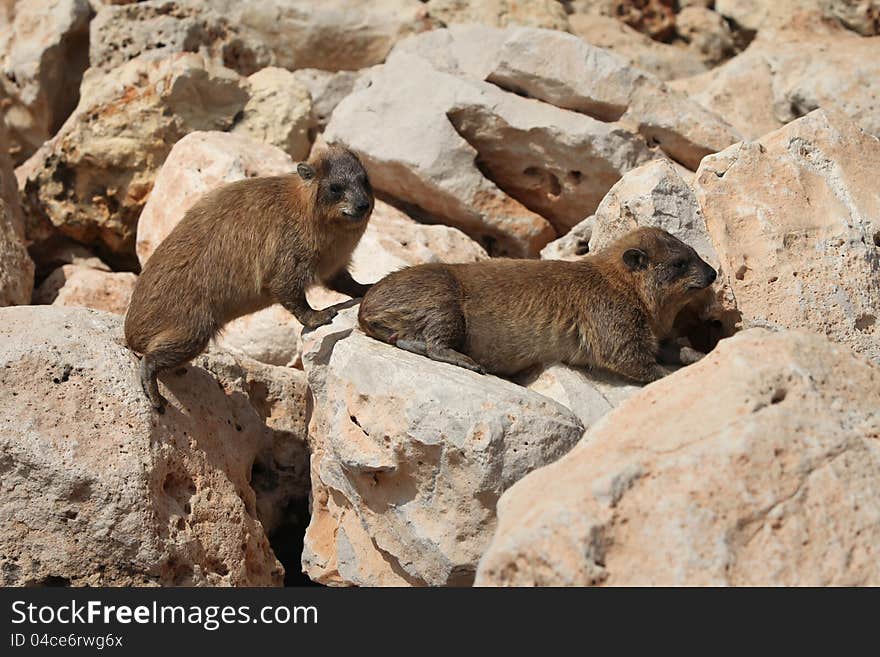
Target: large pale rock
<point>197,164</point>
<point>795,220</point>
<point>653,195</point>
<point>707,33</point>
<point>574,245</point>
<point>327,89</point>
<point>279,396</point>
<point>414,154</point>
<point>393,241</point>
<point>247,35</point>
<point>548,14</point>
<point>565,71</point>
<point>279,112</point>
<point>76,285</point>
<point>589,395</point>
<point>863,16</point>
<point>44,51</point>
<point>775,482</point>
<point>784,74</point>
<point>666,61</point>
<point>90,182</point>
<point>556,162</point>
<point>99,490</point>
<point>409,457</point>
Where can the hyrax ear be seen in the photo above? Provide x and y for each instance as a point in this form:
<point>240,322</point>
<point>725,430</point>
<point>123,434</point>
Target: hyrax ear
<point>635,259</point>
<point>305,171</point>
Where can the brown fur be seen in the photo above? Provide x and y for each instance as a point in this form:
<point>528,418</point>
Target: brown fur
<point>243,247</point>
<point>614,309</point>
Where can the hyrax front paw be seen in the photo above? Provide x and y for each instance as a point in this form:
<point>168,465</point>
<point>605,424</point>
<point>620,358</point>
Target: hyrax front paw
<point>318,318</point>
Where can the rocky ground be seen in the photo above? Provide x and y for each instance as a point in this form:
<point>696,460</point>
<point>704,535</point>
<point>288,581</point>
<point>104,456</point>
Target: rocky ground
<point>490,128</point>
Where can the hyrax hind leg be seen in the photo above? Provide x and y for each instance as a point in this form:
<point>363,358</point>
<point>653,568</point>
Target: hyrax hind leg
<point>167,351</point>
<point>442,334</point>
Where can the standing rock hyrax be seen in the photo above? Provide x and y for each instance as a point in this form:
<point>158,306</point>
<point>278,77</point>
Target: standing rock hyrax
<point>243,247</point>
<point>614,309</point>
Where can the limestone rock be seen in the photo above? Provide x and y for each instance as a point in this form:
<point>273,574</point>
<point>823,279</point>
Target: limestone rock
<point>653,195</point>
<point>327,90</point>
<point>556,162</point>
<point>76,285</point>
<point>98,489</point>
<point>279,112</point>
<point>795,220</point>
<point>91,180</point>
<point>409,457</point>
<point>786,74</point>
<point>44,50</point>
<point>773,483</point>
<point>393,240</point>
<point>247,35</point>
<point>666,61</point>
<point>548,14</point>
<point>707,33</point>
<point>574,245</point>
<point>589,395</point>
<point>415,155</point>
<point>567,72</point>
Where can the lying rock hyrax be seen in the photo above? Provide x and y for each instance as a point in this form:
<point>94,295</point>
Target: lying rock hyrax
<point>613,310</point>
<point>243,247</point>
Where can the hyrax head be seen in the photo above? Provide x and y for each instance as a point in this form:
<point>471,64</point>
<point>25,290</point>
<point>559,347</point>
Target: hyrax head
<point>343,194</point>
<point>669,272</point>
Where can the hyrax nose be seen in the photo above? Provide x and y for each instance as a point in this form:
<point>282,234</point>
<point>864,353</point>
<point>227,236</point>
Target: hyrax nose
<point>362,207</point>
<point>711,275</point>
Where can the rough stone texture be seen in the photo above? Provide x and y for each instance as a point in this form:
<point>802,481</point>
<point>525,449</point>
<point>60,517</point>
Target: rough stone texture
<point>785,74</point>
<point>556,162</point>
<point>666,61</point>
<point>773,483</point>
<point>393,240</point>
<point>197,164</point>
<point>247,35</point>
<point>327,89</point>
<point>279,112</point>
<point>99,490</point>
<point>43,54</point>
<point>707,33</point>
<point>75,285</point>
<point>90,181</point>
<point>548,14</point>
<point>567,72</point>
<point>409,457</point>
<point>415,155</point>
<point>279,396</point>
<point>589,395</point>
<point>863,16</point>
<point>574,245</point>
<point>795,219</point>
<point>653,195</point>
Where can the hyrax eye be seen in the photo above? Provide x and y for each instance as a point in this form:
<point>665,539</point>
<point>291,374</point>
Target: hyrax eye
<point>336,189</point>
<point>680,264</point>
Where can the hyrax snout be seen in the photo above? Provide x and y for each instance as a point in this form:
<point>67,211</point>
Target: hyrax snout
<point>613,310</point>
<point>243,247</point>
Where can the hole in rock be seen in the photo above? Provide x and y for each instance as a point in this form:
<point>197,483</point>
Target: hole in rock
<point>778,395</point>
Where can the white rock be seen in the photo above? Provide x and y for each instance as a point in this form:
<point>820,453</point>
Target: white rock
<point>409,457</point>
<point>773,481</point>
